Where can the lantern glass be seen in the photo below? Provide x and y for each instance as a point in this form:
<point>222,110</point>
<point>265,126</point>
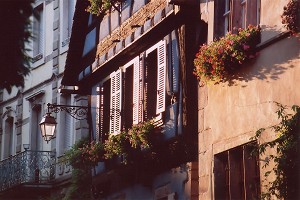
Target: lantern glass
<point>48,125</point>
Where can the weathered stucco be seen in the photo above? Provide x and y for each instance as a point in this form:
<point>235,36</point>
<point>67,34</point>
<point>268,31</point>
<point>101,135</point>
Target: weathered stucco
<point>229,114</point>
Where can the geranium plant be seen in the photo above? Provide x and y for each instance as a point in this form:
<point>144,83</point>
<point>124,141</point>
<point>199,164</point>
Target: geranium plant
<point>140,134</point>
<point>138,137</point>
<point>85,154</point>
<point>217,60</point>
<point>291,16</point>
<point>116,145</point>
<point>98,7</point>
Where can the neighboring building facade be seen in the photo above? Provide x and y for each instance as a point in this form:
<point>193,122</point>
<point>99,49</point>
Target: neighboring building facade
<point>27,161</point>
<point>137,65</point>
<point>230,114</point>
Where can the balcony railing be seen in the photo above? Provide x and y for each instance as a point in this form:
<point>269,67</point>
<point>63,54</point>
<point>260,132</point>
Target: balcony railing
<point>28,167</point>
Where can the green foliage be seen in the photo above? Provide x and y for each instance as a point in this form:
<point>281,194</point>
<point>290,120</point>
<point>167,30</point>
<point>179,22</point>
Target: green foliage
<point>116,145</point>
<point>141,148</point>
<point>15,34</point>
<point>291,16</point>
<point>286,159</point>
<point>100,7</point>
<point>84,154</point>
<point>217,60</point>
<point>80,185</point>
<point>140,134</point>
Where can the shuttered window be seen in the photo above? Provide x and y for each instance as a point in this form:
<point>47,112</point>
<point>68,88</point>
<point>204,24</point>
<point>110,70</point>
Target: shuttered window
<point>116,101</point>
<point>132,94</point>
<point>138,68</point>
<point>155,80</point>
<point>104,110</point>
<point>161,77</point>
<point>68,127</point>
<point>236,174</point>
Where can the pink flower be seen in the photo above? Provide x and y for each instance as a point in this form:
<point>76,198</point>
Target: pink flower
<point>245,47</point>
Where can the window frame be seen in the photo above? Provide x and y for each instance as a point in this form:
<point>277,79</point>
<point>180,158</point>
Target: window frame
<point>116,107</point>
<point>236,14</point>
<point>38,44</point>
<point>66,23</point>
<point>235,174</point>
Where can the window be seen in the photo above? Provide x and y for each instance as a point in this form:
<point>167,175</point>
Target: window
<point>36,138</point>
<point>236,174</point>
<point>133,93</point>
<point>230,14</point>
<point>90,41</point>
<point>38,32</point>
<point>67,20</point>
<point>8,137</point>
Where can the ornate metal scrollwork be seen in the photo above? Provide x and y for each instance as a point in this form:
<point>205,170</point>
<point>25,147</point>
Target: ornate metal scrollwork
<point>77,112</point>
<point>28,167</point>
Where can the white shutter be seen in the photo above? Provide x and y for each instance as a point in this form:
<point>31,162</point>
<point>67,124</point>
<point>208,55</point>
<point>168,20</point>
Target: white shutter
<point>68,131</point>
<point>137,90</point>
<point>99,111</point>
<point>112,102</point>
<point>161,77</point>
<point>68,126</point>
<point>175,63</point>
<point>116,102</point>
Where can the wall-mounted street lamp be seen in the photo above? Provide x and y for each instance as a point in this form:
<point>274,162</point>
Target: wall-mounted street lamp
<point>48,122</point>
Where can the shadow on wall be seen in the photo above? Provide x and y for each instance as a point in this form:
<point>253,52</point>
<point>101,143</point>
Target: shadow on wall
<point>271,62</point>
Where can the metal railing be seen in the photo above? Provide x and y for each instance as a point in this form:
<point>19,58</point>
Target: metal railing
<point>28,167</point>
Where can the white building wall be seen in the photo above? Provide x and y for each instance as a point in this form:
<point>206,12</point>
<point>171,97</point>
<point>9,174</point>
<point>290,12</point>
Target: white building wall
<point>41,85</point>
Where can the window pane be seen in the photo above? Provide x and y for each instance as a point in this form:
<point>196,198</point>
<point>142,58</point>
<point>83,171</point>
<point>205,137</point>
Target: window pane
<point>90,42</point>
<point>221,171</point>
<point>151,85</point>
<point>128,97</point>
<point>38,31</point>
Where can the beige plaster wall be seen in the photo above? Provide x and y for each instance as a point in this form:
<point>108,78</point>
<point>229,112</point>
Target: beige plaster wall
<point>230,114</point>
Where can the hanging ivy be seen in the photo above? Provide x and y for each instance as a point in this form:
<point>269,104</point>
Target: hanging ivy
<point>286,159</point>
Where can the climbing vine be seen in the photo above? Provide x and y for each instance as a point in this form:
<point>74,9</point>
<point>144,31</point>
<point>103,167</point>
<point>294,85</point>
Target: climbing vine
<point>286,161</point>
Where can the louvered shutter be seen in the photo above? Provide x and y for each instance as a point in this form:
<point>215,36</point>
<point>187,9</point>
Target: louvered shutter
<point>137,90</point>
<point>174,64</point>
<point>161,77</point>
<point>116,100</point>
<point>67,134</point>
<point>99,112</point>
<point>68,126</point>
